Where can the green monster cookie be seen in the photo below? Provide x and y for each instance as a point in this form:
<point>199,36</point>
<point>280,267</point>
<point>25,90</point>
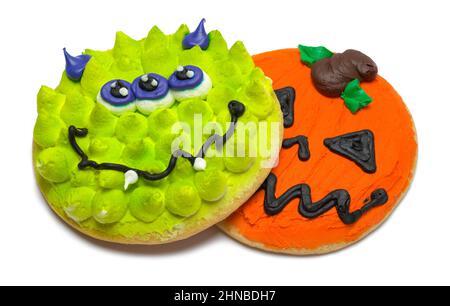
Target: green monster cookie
<point>157,139</point>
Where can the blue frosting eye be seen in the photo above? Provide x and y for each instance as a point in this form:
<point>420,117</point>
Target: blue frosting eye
<point>186,77</point>
<point>117,96</point>
<point>189,82</point>
<point>150,87</point>
<point>152,93</point>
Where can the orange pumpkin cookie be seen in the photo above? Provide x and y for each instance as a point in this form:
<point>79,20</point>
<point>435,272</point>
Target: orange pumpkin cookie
<point>349,155</point>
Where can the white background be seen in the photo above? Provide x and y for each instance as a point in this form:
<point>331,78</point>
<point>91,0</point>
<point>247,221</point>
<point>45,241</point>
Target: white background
<point>408,39</point>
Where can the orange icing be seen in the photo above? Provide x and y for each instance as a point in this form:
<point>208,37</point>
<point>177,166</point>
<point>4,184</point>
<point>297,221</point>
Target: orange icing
<point>319,117</point>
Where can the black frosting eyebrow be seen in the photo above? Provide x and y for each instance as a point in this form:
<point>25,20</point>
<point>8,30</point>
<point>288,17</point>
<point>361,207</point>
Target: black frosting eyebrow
<point>303,146</point>
<point>286,97</point>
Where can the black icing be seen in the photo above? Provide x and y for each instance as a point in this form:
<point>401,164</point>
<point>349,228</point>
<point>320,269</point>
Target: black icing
<point>303,146</point>
<point>182,75</point>
<point>358,147</point>
<point>286,97</point>
<point>340,199</point>
<point>236,109</point>
<point>115,91</point>
<point>147,86</point>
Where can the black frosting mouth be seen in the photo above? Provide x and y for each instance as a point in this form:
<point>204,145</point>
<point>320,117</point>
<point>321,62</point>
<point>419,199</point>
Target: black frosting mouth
<point>236,109</point>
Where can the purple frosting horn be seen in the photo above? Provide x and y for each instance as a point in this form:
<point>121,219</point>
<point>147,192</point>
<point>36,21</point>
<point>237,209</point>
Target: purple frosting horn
<point>197,38</point>
<point>75,65</point>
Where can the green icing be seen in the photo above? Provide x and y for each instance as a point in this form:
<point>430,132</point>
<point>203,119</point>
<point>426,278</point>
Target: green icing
<point>127,53</point>
<point>355,98</point>
<point>147,204</point>
<point>311,55</point>
<point>48,130</point>
<point>182,199</point>
<point>55,164</point>
<point>82,178</point>
<point>111,179</point>
<point>211,185</point>
<point>109,206</point>
<point>131,127</point>
<point>96,199</point>
<point>160,122</point>
<point>78,205</point>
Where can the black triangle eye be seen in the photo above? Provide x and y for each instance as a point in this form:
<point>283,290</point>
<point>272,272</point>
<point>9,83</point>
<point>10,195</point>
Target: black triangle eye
<point>358,147</point>
<point>286,97</point>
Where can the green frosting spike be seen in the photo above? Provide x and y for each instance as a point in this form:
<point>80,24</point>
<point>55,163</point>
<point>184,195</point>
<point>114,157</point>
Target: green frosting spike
<point>211,185</point>
<point>219,97</point>
<point>131,127</point>
<point>162,61</point>
<point>105,149</point>
<point>240,56</point>
<point>311,55</point>
<point>104,58</point>
<point>176,39</point>
<point>127,54</point>
<point>111,179</point>
<point>109,206</point>
<point>256,96</point>
<point>82,178</point>
<point>218,47</point>
<point>78,205</point>
<point>194,107</point>
<point>47,130</point>
<point>138,154</point>
<point>147,204</point>
<point>155,39</point>
<point>94,77</point>
<point>49,101</point>
<point>55,164</point>
<point>102,122</point>
<point>160,122</point>
<point>194,56</point>
<point>355,97</point>
<point>182,199</point>
<point>77,109</point>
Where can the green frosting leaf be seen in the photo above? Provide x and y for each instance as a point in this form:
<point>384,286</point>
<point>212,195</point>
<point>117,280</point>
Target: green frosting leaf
<point>355,97</point>
<point>311,55</point>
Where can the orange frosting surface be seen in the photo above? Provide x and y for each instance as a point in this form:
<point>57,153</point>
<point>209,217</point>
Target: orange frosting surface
<point>319,117</point>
